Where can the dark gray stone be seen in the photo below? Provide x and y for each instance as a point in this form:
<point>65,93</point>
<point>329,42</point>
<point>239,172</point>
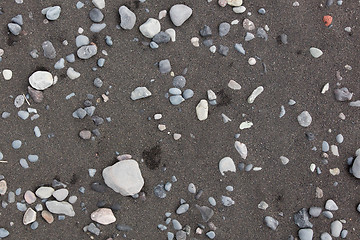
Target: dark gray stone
<point>205,31</point>
<point>161,37</point>
<point>96,15</point>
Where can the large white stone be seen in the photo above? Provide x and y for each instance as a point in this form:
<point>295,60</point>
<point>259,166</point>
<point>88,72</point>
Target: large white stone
<point>127,18</point>
<point>226,165</point>
<point>124,177</point>
<point>7,74</point>
<point>103,216</point>
<point>60,208</point>
<point>41,80</point>
<point>315,52</point>
<point>150,28</point>
<point>202,110</point>
<point>44,192</point>
<point>179,13</point>
<point>140,92</point>
<point>99,3</point>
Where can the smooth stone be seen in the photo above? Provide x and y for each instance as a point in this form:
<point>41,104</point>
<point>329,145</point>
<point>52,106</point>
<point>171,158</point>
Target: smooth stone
<point>90,110</point>
<point>86,52</point>
<point>97,27</point>
<point>248,25</point>
<point>29,197</point>
<point>60,194</point>
<point>224,29</point>
<point>261,33</point>
<point>7,74</point>
<point>29,216</point>
<point>271,222</point>
<point>315,52</point>
<point>124,177</point>
<point>325,146</point>
<point>284,160</point>
<point>41,80</point>
<point>81,40</point>
<point>161,37</point>
<point>176,224</point>
<point>241,149</point>
<point>206,212</point>
<point>171,33</point>
<point>304,119</point>
<point>23,114</point>
<point>235,3</point>
<point>103,216</point>
<point>150,28</point>
<point>85,134</point>
<point>72,74</point>
<point>344,233</point>
<point>98,187</point>
<point>24,163</point>
<point>49,50</point>
<point>343,94</point>
<point>122,227</point>
<point>60,64</point>
<point>139,93</point>
<point>160,191</point>
<point>226,164</point>
<point>60,208</point>
<point>255,94</point>
<point>283,38</point>
<point>355,103</point>
<point>188,93</point>
<point>205,31</point>
<point>325,236</point>
<point>234,85</point>
<point>21,206</point>
<point>223,50</point>
<point>1,156</point>
<point>98,82</point>
<point>239,48</point>
<point>249,36</point>
<point>192,188</point>
<point>336,228</point>
<point>210,234</point>
<point>99,3</point>
<point>262,11</point>
<point>179,81</point>
<point>202,110</point>
<point>127,18</point>
<point>328,214</point>
<point>36,95</point>
<point>4,233</point>
<point>315,211</point>
<point>18,19</point>
<point>356,167</point>
<point>70,58</point>
<point>33,158</point>
<point>212,201</point>
<point>44,192</point>
<point>108,41</point>
<point>3,187</point>
<point>340,138</point>
<point>14,28</point>
<point>101,62</point>
<point>53,13</point>
<point>164,66</point>
<point>301,218</point>
<point>227,201</point>
<point>16,144</point>
<point>174,91</point>
<point>183,208</point>
<point>181,235</point>
<point>176,100</point>
<point>306,234</point>
<point>331,205</point>
<point>179,13</point>
<point>96,15</point>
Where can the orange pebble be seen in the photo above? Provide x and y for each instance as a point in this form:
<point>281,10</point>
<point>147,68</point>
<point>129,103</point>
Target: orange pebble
<point>327,20</point>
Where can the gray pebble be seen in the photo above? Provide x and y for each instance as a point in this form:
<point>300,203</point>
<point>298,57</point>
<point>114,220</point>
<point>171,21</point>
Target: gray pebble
<point>16,144</point>
<point>179,81</point>
<point>4,233</point>
<point>154,45</point>
<point>93,229</point>
<point>213,102</point>
<point>96,15</point>
<point>82,40</point>
<point>98,82</point>
<point>86,52</point>
<point>223,50</point>
<point>164,66</point>
<point>301,218</point>
<point>82,190</point>
<point>210,234</point>
<point>249,36</point>
<point>61,217</point>
<point>161,37</point>
<point>212,201</point>
<point>188,93</point>
<point>34,53</point>
<point>159,191</point>
<point>262,11</point>
<point>205,31</point>
<point>49,50</point>
<point>37,131</point>
<point>183,208</point>
<point>79,5</point>
<point>23,114</point>
<point>291,102</point>
<point>79,113</point>
<point>192,188</point>
<point>249,167</point>
<point>329,2</point>
<point>261,33</point>
<point>240,48</point>
<point>108,41</point>
<point>325,236</point>
<point>1,156</point>
<point>208,42</point>
<point>306,234</point>
<point>339,2</point>
<point>175,91</point>
<point>97,27</point>
<point>310,136</point>
<point>227,201</point>
<point>241,166</point>
<point>18,192</point>
<point>176,224</point>
<point>122,227</point>
<point>283,38</point>
<point>328,214</point>
<point>5,115</point>
<point>70,58</point>
<point>176,100</point>
<point>101,62</point>
<point>271,222</point>
<point>97,120</point>
<point>21,206</point>
<point>170,236</point>
<point>14,28</point>
<point>344,233</point>
<point>11,197</point>
<point>343,94</point>
<point>60,64</point>
<point>18,19</point>
<point>181,235</point>
<point>315,211</point>
<point>53,13</point>
<point>33,158</point>
<point>161,227</point>
<point>224,29</point>
<point>98,187</point>
<point>4,204</point>
<point>34,225</point>
<point>340,138</point>
<point>325,146</point>
<point>168,186</point>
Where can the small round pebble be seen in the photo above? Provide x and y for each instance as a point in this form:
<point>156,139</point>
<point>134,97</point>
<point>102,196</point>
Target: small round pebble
<point>179,81</point>
<point>16,144</point>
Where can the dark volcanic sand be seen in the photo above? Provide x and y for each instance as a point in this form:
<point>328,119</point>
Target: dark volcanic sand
<point>292,73</point>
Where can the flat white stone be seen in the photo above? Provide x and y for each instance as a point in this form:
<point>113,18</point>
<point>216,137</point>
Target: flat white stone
<point>202,110</point>
<point>179,13</point>
<point>103,216</point>
<point>61,194</point>
<point>41,80</point>
<point>226,165</point>
<point>7,74</point>
<point>315,52</point>
<point>255,94</point>
<point>304,119</point>
<point>100,4</point>
<point>284,160</point>
<point>72,74</point>
<point>60,208</point>
<point>325,88</point>
<point>140,92</point>
<point>245,125</point>
<point>235,3</point>
<point>234,85</point>
<point>44,192</point>
<point>124,177</point>
<point>29,216</point>
<point>172,34</point>
<point>241,148</point>
<point>150,28</point>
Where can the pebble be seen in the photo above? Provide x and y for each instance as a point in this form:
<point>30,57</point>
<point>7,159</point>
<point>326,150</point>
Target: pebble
<point>263,205</point>
<point>161,37</point>
<point>176,224</point>
<point>44,192</point>
<point>301,218</point>
<point>206,212</point>
<point>21,207</point>
<point>16,144</point>
<point>108,41</point>
<point>261,33</point>
<point>60,194</point>
<point>234,85</point>
<point>315,52</point>
<point>37,131</point>
<point>195,41</point>
<point>168,186</point>
<point>210,234</point>
<point>23,114</point>
<point>98,82</point>
<point>1,156</point>
<point>139,93</point>
<point>174,91</point>
<point>336,228</point>
<point>249,36</point>
<point>212,201</point>
<point>284,160</point>
<point>227,201</point>
<point>101,62</point>
<point>315,211</point>
<point>99,3</point>
<point>53,13</point>
<point>81,40</point>
<point>271,222</point>
<point>224,29</point>
<point>252,61</point>
<point>49,50</point>
<point>304,119</point>
<point>72,199</point>
<point>29,197</point>
<point>241,149</point>
<point>240,48</point>
<point>344,233</point>
<point>202,110</point>
<point>11,197</point>
<point>3,187</point>
<point>122,227</point>
<point>150,28</point>
<point>60,64</point>
<point>96,15</point>
<point>179,13</point>
<point>255,94</point>
<point>328,214</point>
<point>183,208</point>
<point>306,234</point>
<point>72,74</point>
<point>60,208</point>
<point>356,167</point>
<point>343,94</point>
<point>223,50</point>
<point>188,93</point>
<point>212,49</point>
<point>248,25</point>
<point>325,146</point>
<point>4,233</point>
<point>179,81</point>
<point>14,28</point>
<point>103,216</point>
<point>262,11</point>
<point>24,163</point>
<point>33,158</point>
<point>325,236</point>
<point>29,216</point>
<point>164,66</point>
<point>70,58</point>
<point>240,9</point>
<point>41,80</point>
<point>7,74</point>
<point>355,104</point>
<point>340,138</point>
<point>176,100</point>
<point>331,205</point>
<point>226,164</point>
<point>86,52</point>
<point>205,31</point>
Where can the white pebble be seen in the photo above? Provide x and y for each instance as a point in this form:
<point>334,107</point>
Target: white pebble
<point>252,61</point>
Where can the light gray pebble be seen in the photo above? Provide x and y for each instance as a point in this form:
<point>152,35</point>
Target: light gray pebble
<point>34,225</point>
<point>329,2</point>
<point>223,50</point>
<point>208,42</point>
<point>328,214</point>
<point>79,113</point>
<point>339,2</point>
<point>176,100</point>
<point>72,199</point>
<point>19,101</point>
<point>4,204</point>
<point>212,201</point>
<point>306,234</point>
<point>210,234</point>
<point>96,15</point>
<point>227,201</point>
<point>93,229</point>
<point>23,114</point>
<point>343,94</point>
<point>167,214</point>
<point>11,197</point>
<point>98,82</point>
<point>34,53</point>
<point>315,211</point>
<point>86,52</point>
<point>271,222</point>
<point>249,167</point>
<point>101,62</point>
<point>188,93</point>
<point>192,188</point>
<point>325,146</point>
<point>5,115</point>
<point>344,233</point>
<point>261,33</point>
<point>79,5</point>
<point>49,50</point>
<point>239,47</point>
<point>153,45</point>
<point>224,29</point>
<point>61,217</point>
<point>39,207</point>
<point>213,102</point>
<point>108,41</point>
<point>97,27</point>
<point>53,13</point>
<point>291,102</point>
<point>229,188</point>
<point>168,186</point>
<point>33,158</point>
<point>82,40</point>
<point>205,31</point>
<point>35,116</point>
<point>170,236</point>
<point>336,228</point>
<point>60,64</point>
<point>175,91</point>
<point>183,208</point>
<point>70,58</point>
<point>159,191</point>
<point>325,236</point>
<point>262,11</point>
<point>331,205</point>
<point>70,96</point>
<point>173,179</point>
<point>37,131</point>
<point>340,138</point>
<point>18,191</point>
<point>161,227</point>
<point>161,37</point>
<point>1,156</point>
<point>82,190</point>
<point>21,206</point>
<point>249,36</point>
<point>176,224</point>
<point>241,166</point>
<point>16,144</point>
<point>164,66</point>
<point>283,38</point>
<point>18,19</point>
<point>90,110</point>
<point>318,170</point>
<point>14,28</point>
<point>179,81</point>
<point>4,233</point>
